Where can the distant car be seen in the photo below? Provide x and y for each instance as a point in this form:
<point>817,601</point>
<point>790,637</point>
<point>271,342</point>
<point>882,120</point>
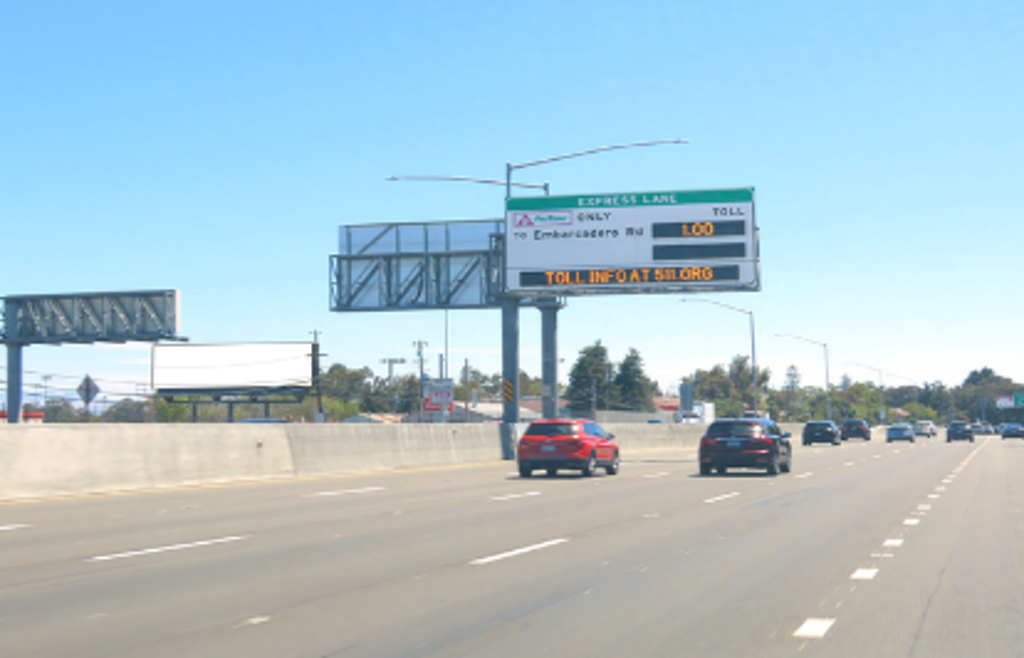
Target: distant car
<point>821,430</point>
<point>745,443</point>
<point>989,429</point>
<point>960,430</point>
<point>1013,431</point>
<point>855,427</point>
<point>925,428</point>
<point>900,432</point>
<point>573,444</point>
<point>656,421</point>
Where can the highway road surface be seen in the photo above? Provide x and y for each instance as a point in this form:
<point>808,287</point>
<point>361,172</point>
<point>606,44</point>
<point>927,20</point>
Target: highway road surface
<point>866,549</point>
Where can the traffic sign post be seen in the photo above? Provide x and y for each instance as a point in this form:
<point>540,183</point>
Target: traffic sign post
<point>88,390</point>
<point>442,397</point>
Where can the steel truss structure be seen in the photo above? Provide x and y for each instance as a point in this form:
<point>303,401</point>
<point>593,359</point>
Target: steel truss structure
<point>90,317</point>
<point>438,265</point>
<point>110,317</point>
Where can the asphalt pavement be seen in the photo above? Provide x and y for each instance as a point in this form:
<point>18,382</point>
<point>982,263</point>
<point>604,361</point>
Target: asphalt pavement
<point>865,549</point>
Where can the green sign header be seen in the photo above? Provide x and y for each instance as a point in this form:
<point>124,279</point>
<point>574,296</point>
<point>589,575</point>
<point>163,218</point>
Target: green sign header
<point>631,199</point>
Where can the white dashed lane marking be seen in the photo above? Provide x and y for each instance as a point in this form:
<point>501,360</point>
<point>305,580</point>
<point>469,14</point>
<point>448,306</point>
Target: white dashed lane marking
<point>514,496</point>
<point>345,492</point>
<point>519,551</point>
<point>864,574</point>
<point>13,526</point>
<point>814,628</point>
<point>892,543</point>
<point>911,521</point>
<point>164,549</point>
<point>722,497</point>
<point>656,475</point>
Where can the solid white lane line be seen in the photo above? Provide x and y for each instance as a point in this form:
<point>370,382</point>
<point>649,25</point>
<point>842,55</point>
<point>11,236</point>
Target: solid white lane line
<point>657,475</point>
<point>519,551</point>
<point>892,542</point>
<point>814,628</point>
<point>164,549</point>
<point>722,497</point>
<point>911,521</point>
<point>514,496</point>
<point>345,492</point>
<point>13,526</point>
<point>864,574</point>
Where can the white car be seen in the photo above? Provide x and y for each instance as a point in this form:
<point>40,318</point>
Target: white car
<point>924,428</point>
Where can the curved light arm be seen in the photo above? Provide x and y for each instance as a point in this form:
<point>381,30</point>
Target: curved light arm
<point>828,385</point>
<point>601,149</point>
<point>468,179</point>
<point>753,341</point>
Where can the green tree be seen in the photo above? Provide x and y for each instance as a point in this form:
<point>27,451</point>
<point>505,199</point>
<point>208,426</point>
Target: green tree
<point>344,384</point>
<point>590,386</point>
<point>125,411</point>
<point>529,385</point>
<point>634,389</point>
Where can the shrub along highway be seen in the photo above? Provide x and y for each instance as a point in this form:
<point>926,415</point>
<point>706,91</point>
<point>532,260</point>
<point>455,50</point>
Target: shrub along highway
<point>866,549</point>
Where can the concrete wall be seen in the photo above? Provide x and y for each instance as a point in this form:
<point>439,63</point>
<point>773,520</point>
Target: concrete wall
<point>57,460</point>
<point>41,461</point>
<point>327,449</point>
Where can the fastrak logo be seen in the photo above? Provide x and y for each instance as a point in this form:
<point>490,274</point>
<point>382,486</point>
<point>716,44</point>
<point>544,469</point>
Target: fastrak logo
<point>526,219</point>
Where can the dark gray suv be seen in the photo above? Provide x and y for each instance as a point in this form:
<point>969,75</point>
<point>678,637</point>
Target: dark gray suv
<point>959,430</point>
<point>745,443</point>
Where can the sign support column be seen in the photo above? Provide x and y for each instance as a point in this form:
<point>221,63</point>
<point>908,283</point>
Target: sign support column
<point>549,307</point>
<point>509,374</point>
<point>14,382</point>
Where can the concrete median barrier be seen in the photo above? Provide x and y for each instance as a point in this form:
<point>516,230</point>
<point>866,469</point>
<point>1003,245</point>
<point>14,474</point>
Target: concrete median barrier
<point>59,460</point>
<point>41,461</point>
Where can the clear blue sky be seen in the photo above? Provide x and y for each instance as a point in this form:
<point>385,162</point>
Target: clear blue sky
<point>216,147</point>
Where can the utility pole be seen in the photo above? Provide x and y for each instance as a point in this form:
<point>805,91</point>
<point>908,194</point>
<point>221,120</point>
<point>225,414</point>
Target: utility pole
<point>465,386</point>
<point>316,377</point>
<point>391,362</point>
<point>419,345</point>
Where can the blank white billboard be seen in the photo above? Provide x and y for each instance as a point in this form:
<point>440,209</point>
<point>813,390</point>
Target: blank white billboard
<point>232,366</point>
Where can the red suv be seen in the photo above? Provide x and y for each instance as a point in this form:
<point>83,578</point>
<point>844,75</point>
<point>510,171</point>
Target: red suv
<point>564,443</point>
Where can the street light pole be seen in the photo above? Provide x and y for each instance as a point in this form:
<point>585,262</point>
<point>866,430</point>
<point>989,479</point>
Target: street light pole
<point>828,385</point>
<point>753,342</point>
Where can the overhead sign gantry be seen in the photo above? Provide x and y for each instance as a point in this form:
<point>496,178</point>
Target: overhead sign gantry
<point>637,242</point>
<point>110,317</point>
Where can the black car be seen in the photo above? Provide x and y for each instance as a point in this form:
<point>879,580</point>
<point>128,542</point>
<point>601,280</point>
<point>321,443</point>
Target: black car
<point>821,431</point>
<point>959,430</point>
<point>745,443</point>
<point>1013,431</point>
<point>855,427</point>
